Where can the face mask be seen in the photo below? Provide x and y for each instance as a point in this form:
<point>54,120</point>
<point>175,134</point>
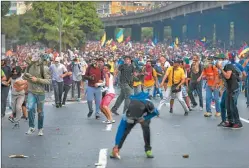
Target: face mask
<point>224,63</point>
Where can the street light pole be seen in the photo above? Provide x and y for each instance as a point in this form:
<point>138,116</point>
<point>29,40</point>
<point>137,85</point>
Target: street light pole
<point>60,26</point>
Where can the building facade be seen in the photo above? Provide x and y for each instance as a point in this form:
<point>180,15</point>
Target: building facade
<point>18,8</point>
<point>129,6</point>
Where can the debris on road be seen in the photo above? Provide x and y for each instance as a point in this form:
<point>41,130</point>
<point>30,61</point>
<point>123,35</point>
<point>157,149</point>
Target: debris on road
<point>18,156</point>
<point>185,156</point>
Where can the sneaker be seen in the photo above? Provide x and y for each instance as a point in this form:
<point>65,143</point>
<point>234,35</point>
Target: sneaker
<point>186,114</point>
<point>149,154</point>
<point>171,110</point>
<point>207,114</point>
<point>79,99</point>
<point>115,153</point>
<point>107,122</point>
<point>30,131</point>
<point>201,109</point>
<point>63,104</point>
<point>57,105</point>
<point>237,126</point>
<point>89,114</point>
<point>60,105</point>
<point>40,133</point>
<point>194,105</point>
<point>189,109</point>
<point>228,125</point>
<point>222,124</point>
<point>11,119</point>
<point>97,117</point>
<point>217,114</point>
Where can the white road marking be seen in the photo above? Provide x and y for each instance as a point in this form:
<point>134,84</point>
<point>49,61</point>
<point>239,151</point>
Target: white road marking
<point>102,159</point>
<point>242,119</point>
<point>108,127</point>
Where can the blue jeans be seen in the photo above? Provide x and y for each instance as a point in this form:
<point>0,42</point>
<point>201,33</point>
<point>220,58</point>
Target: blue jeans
<point>157,90</point>
<point>223,106</point>
<point>209,92</point>
<point>232,110</point>
<point>94,93</point>
<point>34,99</point>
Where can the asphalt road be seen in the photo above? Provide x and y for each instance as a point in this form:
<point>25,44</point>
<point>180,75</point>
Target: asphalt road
<point>72,141</point>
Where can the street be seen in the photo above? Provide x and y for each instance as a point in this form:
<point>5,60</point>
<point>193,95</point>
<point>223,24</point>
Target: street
<point>72,141</point>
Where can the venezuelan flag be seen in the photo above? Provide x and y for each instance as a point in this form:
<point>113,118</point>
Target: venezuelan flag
<point>176,41</point>
<point>120,36</point>
<point>103,39</point>
<point>108,42</point>
<point>244,49</point>
<point>203,40</point>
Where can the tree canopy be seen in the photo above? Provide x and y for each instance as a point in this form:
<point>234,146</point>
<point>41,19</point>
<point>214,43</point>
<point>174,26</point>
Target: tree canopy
<point>5,6</point>
<point>42,23</point>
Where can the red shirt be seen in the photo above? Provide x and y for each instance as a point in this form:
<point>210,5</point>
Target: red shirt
<point>96,73</point>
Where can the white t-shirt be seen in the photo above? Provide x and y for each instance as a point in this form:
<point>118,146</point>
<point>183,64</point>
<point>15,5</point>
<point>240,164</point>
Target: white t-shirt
<point>166,64</point>
<point>111,87</point>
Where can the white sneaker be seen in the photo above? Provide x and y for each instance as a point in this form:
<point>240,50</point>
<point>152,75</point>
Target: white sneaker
<point>113,121</point>
<point>40,133</point>
<point>107,122</point>
<point>201,109</point>
<point>30,131</point>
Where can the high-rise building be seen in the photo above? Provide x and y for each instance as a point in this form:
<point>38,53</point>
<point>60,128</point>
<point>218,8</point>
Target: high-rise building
<point>129,6</point>
<point>103,8</point>
<point>18,8</point>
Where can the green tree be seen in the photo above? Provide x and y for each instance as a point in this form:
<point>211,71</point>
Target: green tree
<point>147,33</point>
<point>70,33</point>
<point>10,26</point>
<point>5,7</point>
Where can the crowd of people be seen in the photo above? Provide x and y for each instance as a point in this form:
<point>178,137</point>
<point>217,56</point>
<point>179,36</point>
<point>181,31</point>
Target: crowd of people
<point>161,71</point>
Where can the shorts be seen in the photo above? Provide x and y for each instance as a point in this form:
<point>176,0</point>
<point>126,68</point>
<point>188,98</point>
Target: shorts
<point>107,99</point>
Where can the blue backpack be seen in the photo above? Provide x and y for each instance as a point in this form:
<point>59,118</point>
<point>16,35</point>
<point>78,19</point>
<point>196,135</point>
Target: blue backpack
<point>142,96</point>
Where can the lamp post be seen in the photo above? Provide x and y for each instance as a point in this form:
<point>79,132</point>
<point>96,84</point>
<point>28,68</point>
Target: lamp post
<point>60,26</point>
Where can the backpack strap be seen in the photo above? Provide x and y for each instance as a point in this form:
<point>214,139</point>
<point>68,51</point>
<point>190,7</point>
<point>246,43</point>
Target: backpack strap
<point>173,76</point>
<point>42,70</point>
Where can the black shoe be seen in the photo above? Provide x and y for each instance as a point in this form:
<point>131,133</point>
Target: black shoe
<point>97,117</point>
<point>189,109</point>
<point>171,110</point>
<point>194,105</point>
<point>222,124</point>
<point>60,105</point>
<point>186,113</point>
<point>89,114</point>
<point>115,112</point>
<point>63,104</point>
<point>57,105</point>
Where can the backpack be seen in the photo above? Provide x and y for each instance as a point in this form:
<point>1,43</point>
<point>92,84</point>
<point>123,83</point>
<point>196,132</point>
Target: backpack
<point>41,69</point>
<point>237,73</point>
<point>142,96</point>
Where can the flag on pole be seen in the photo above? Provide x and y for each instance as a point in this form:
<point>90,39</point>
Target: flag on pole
<point>103,39</point>
<point>108,42</point>
<point>120,36</point>
<point>128,39</point>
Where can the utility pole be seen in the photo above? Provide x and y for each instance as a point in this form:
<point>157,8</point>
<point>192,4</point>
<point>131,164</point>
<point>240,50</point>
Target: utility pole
<point>60,26</point>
